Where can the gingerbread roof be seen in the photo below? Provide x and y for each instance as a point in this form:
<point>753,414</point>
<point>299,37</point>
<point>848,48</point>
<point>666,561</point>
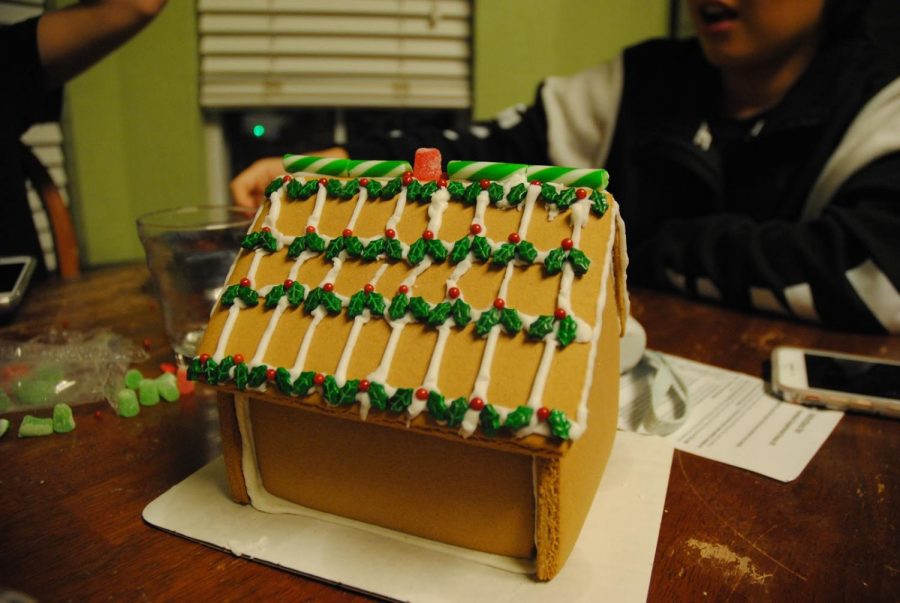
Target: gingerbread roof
<point>467,305</point>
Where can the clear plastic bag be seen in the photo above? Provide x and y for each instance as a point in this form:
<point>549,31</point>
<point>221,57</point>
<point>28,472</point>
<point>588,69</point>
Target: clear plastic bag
<point>68,367</point>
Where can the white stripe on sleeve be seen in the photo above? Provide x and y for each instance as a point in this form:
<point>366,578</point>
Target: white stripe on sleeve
<point>878,293</point>
<point>765,300</point>
<point>706,288</point>
<point>581,114</point>
<point>800,300</point>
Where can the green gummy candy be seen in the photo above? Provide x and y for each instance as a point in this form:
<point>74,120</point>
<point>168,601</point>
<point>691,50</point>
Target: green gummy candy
<point>4,427</point>
<point>167,377</point>
<point>148,394</point>
<point>35,426</point>
<point>168,389</point>
<point>36,391</point>
<point>133,379</point>
<point>63,421</point>
<point>127,404</point>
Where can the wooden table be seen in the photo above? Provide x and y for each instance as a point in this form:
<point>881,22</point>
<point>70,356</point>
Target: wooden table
<point>70,505</point>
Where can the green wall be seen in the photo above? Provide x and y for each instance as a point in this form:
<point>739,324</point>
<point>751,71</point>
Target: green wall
<point>134,136</point>
<point>519,42</point>
<point>134,129</point>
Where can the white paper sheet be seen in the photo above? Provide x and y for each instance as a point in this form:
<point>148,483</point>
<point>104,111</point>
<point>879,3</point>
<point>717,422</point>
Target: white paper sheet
<point>733,419</point>
<point>612,560</point>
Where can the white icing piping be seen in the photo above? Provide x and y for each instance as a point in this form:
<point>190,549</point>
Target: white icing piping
<point>579,424</point>
<point>340,374</point>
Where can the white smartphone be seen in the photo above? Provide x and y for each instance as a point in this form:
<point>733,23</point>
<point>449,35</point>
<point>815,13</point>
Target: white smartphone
<point>839,381</point>
<point>15,274</point>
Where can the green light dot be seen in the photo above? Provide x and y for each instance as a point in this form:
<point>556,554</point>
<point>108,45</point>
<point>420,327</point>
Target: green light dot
<point>259,130</point>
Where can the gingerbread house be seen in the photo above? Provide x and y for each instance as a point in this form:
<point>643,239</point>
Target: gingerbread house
<point>433,353</point>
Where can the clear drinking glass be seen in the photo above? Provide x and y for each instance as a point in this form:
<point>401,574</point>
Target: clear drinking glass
<point>189,251</point>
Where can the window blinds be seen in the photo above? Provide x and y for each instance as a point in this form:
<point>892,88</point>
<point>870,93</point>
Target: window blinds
<point>344,53</point>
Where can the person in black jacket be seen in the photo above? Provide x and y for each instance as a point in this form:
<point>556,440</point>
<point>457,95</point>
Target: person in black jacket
<point>757,164</point>
<point>37,56</point>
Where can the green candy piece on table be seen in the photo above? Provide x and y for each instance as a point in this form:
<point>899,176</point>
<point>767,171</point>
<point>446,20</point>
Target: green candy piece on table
<point>33,427</point>
<point>167,386</point>
<point>63,421</point>
<point>148,394</point>
<point>127,404</point>
<point>36,391</point>
<point>4,427</point>
<point>133,379</point>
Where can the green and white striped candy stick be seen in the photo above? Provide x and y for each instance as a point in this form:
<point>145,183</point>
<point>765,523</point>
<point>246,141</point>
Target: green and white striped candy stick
<point>364,168</point>
<point>587,178</point>
<point>325,166</point>
<point>483,170</point>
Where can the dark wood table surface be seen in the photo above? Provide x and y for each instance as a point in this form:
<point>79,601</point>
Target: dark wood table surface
<point>70,505</point>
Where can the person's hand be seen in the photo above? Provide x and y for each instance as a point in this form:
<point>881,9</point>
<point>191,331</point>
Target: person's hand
<point>248,187</point>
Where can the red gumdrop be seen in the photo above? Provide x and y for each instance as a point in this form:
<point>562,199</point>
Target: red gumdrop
<point>427,164</point>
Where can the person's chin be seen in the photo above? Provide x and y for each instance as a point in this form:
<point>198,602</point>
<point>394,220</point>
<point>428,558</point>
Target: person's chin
<point>724,53</point>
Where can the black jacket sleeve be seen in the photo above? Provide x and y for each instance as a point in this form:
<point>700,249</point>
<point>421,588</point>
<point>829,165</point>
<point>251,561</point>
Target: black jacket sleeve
<point>517,135</point>
<point>842,268</point>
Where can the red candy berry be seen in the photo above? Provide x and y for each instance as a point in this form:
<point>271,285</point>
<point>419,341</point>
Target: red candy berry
<point>288,283</point>
<point>499,303</point>
<point>286,178</point>
<point>390,233</point>
<point>329,287</point>
<point>168,367</point>
<point>238,358</point>
<point>407,178</point>
<point>442,182</point>
<point>535,183</point>
<point>543,413</point>
<point>310,229</point>
<point>427,235</point>
<point>270,374</point>
<point>476,404</point>
<point>364,385</point>
<point>514,237</point>
<point>369,288</point>
<point>403,289</point>
<point>580,193</point>
<point>245,282</point>
<point>364,182</point>
<point>347,232</point>
<point>559,313</point>
<point>453,292</point>
<point>567,244</point>
<point>204,358</point>
<point>475,229</point>
<point>266,229</point>
<point>97,414</point>
<point>484,184</point>
<point>323,181</point>
<point>319,379</point>
<point>422,393</point>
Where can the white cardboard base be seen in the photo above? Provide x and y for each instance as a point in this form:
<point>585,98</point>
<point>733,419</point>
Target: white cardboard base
<point>612,560</point>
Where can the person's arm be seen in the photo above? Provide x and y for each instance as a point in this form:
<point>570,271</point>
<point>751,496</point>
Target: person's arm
<point>74,38</point>
<point>842,268</point>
